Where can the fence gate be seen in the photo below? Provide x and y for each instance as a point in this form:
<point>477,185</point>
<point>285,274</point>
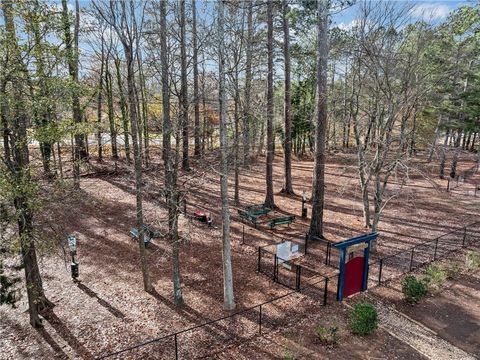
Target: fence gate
<point>353,274</point>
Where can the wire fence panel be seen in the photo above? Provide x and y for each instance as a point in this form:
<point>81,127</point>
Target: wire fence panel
<point>332,289</point>
<point>279,313</point>
<point>203,341</point>
<point>374,273</point>
<point>162,349</point>
<point>423,254</point>
<point>266,262</point>
<point>287,273</point>
<point>449,243</point>
<point>472,234</point>
<point>396,265</point>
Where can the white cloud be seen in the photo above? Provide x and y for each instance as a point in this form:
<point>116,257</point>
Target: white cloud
<point>350,25</point>
<point>430,11</point>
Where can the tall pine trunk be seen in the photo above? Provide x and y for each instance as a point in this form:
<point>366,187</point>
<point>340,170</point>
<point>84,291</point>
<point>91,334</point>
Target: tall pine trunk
<point>229,303</point>
<point>170,178</point>
<point>79,150</point>
<point>288,189</point>
<point>316,223</point>
<point>196,98</point>
<point>123,109</point>
<point>17,121</point>
<point>248,84</point>
<point>184,90</point>
<point>111,111</point>
<point>269,201</point>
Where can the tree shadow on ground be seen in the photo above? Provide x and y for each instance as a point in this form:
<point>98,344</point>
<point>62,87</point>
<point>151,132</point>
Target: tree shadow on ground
<point>114,311</point>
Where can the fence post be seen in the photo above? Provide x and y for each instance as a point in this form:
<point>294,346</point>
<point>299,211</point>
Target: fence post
<point>464,236</point>
<point>325,292</point>
<point>435,253</point>
<point>176,347</point>
<point>259,257</point>
<point>327,253</point>
<point>275,267</point>
<point>380,272</point>
<point>298,277</point>
<point>306,243</point>
<point>411,259</point>
<point>260,321</point>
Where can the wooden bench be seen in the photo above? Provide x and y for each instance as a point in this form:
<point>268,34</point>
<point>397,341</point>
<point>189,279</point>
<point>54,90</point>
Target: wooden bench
<point>247,216</point>
<point>280,221</point>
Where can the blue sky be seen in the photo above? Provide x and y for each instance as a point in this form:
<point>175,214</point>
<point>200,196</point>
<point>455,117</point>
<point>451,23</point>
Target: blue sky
<point>432,11</point>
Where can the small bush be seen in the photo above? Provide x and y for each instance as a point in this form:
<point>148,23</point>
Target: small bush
<point>289,356</point>
<point>473,260</point>
<point>363,319</point>
<point>328,335</point>
<point>436,274</point>
<point>453,270</point>
<point>414,289</point>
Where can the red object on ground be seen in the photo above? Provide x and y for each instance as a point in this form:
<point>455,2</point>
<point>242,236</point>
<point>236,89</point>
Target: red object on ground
<point>353,276</point>
<point>200,214</point>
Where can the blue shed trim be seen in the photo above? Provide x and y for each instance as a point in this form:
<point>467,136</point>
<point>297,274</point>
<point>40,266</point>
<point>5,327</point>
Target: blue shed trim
<point>343,246</point>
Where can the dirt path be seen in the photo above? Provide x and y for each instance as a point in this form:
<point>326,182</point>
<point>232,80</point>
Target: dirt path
<point>418,336</point>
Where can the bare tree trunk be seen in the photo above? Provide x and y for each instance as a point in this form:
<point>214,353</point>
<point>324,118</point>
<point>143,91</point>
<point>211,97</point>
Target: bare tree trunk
<point>170,178</point>
<point>248,84</point>
<point>184,90</point>
<point>316,223</point>
<point>229,302</point>
<point>204,109</point>
<point>4,110</point>
<point>79,151</point>
<point>125,27</point>
<point>99,105</point>
<point>236,150</point>
<point>269,201</point>
<point>45,113</point>
<point>287,102</point>
<point>123,108</point>
<point>197,151</point>
<point>111,111</point>
<point>19,167</point>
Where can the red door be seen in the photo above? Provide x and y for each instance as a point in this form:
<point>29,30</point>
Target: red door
<point>353,276</point>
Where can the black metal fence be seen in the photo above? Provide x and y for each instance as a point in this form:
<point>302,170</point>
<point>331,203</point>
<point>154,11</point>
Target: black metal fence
<point>204,339</point>
<point>394,266</point>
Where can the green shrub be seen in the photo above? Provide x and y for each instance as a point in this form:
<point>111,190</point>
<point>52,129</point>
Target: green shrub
<point>328,335</point>
<point>453,270</point>
<point>473,260</point>
<point>289,356</point>
<point>363,319</point>
<point>414,289</point>
<point>436,274</point>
